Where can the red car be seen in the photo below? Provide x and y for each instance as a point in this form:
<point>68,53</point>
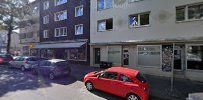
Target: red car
<point>120,81</point>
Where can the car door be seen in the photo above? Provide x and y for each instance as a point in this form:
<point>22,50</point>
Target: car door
<point>104,80</point>
<point>124,83</point>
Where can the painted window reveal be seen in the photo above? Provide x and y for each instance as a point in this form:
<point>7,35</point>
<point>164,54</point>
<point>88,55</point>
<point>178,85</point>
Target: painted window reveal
<point>45,34</point>
<point>60,32</point>
<point>46,19</point>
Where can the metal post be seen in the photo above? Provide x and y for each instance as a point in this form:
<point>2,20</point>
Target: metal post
<point>172,76</point>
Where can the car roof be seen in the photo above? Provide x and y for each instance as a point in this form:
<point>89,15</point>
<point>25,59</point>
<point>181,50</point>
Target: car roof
<point>56,60</point>
<point>123,70</point>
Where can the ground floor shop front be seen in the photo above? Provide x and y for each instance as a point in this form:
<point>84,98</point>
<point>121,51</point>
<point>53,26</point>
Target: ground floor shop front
<point>184,59</point>
<point>74,52</point>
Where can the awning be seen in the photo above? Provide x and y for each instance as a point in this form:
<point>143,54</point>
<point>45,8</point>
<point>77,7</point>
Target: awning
<point>59,45</point>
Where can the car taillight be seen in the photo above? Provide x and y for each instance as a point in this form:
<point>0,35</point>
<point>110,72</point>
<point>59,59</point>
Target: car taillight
<point>1,60</point>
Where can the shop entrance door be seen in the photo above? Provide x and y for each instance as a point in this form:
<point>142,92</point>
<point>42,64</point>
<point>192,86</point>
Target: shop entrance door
<point>179,57</point>
<point>97,55</point>
<point>125,57</point>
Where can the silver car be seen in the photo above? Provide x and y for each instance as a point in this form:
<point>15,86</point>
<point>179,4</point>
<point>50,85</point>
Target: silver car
<point>24,62</point>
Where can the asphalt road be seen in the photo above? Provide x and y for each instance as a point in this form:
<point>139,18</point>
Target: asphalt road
<point>17,85</point>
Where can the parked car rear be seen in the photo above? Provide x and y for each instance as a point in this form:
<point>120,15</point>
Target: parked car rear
<point>5,58</point>
<point>25,62</point>
<point>123,82</point>
<point>52,68</point>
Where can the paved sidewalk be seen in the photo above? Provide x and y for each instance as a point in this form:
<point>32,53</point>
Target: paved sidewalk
<point>159,86</point>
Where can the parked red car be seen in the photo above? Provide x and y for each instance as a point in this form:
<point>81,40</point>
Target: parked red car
<point>5,58</point>
<point>120,81</point>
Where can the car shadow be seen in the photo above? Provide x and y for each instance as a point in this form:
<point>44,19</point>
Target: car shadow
<point>106,96</point>
<point>12,80</point>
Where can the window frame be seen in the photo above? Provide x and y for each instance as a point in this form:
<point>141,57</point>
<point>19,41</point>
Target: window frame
<point>55,3</point>
<point>45,7</point>
<point>108,77</point>
<point>45,34</point>
<point>78,7</point>
<point>60,35</point>
<point>55,17</point>
<point>46,19</point>
<point>138,20</point>
<point>76,29</point>
<point>186,15</point>
<point>105,5</point>
<point>104,20</point>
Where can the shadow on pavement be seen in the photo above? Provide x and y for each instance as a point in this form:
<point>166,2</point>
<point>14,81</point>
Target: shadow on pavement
<point>12,80</point>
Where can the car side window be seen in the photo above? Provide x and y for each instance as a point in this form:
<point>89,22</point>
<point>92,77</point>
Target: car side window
<point>21,59</point>
<point>109,75</point>
<point>125,78</point>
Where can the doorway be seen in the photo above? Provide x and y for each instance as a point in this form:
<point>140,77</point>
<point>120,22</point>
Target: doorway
<point>126,57</point>
<point>97,55</point>
<point>179,57</point>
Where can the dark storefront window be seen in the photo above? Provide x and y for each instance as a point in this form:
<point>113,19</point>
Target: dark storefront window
<point>195,57</point>
<point>77,54</point>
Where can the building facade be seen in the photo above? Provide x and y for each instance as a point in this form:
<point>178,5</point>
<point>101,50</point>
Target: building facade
<point>149,35</point>
<point>65,30</point>
<point>29,30</point>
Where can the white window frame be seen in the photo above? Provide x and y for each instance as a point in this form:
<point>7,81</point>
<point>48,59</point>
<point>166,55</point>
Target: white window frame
<point>187,12</point>
<point>46,5</point>
<point>104,20</point>
<point>131,1</point>
<point>46,19</point>
<point>139,20</point>
<point>64,29</point>
<point>79,7</point>
<point>45,34</point>
<point>76,29</point>
<point>56,3</point>
<point>105,5</point>
<point>55,15</point>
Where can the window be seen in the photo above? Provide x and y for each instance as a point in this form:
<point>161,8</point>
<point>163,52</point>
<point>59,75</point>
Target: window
<point>104,4</point>
<point>30,35</point>
<point>46,19</point>
<point>139,20</point>
<point>149,55</point>
<point>60,2</point>
<point>62,15</point>
<point>78,11</point>
<point>195,57</point>
<point>78,54</point>
<point>79,29</point>
<point>61,32</point>
<point>109,75</point>
<point>125,78</point>
<point>130,1</point>
<point>189,12</point>
<point>141,78</point>
<point>45,34</point>
<point>180,13</point>
<point>104,25</point>
<point>46,5</point>
<point>22,36</point>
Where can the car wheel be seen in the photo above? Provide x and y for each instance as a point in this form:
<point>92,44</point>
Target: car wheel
<point>51,76</point>
<point>23,68</point>
<point>133,97</point>
<point>89,86</point>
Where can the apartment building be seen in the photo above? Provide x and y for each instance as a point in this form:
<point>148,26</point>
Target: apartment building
<point>157,37</point>
<point>29,29</point>
<point>65,30</point>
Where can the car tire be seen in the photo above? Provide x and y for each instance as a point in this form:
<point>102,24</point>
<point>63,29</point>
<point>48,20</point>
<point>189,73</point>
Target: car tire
<point>89,85</point>
<point>23,68</point>
<point>132,97</point>
<point>51,76</point>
